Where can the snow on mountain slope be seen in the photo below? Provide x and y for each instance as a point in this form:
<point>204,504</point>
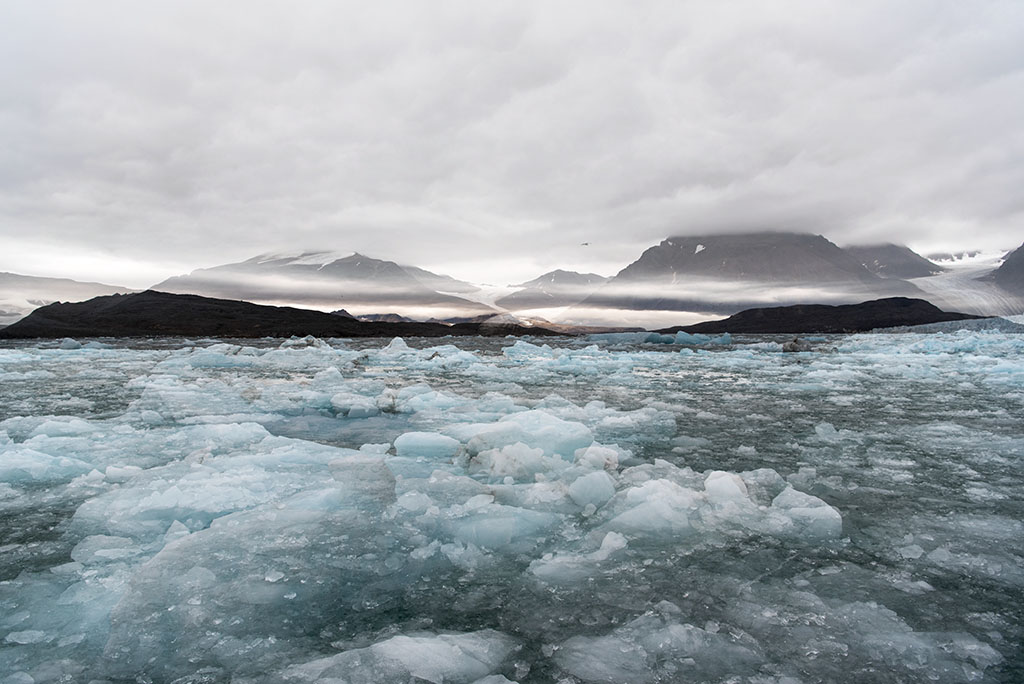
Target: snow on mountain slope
<point>552,290</point>
<point>967,287</point>
<point>328,281</point>
<point>21,294</point>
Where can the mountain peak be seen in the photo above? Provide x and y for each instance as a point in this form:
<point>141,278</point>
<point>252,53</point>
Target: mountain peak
<point>330,280</point>
<point>554,289</point>
<point>727,273</point>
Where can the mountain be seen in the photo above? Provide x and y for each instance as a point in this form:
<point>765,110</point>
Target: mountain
<point>728,273</point>
<point>821,318</point>
<point>20,294</point>
<point>554,289</point>
<point>149,313</point>
<point>953,256</point>
<point>1010,274</point>
<point>894,261</point>
<point>440,283</point>
<point>385,318</point>
<point>359,283</point>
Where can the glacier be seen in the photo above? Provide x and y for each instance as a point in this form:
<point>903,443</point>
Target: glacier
<point>612,508</point>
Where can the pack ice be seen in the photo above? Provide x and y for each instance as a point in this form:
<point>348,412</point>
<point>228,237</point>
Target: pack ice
<point>607,509</point>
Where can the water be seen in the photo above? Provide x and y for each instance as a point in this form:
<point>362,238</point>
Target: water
<point>584,511</point>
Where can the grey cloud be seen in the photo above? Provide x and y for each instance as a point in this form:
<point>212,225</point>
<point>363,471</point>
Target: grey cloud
<point>460,134</point>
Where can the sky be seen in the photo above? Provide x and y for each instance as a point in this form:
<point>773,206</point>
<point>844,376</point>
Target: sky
<point>494,141</point>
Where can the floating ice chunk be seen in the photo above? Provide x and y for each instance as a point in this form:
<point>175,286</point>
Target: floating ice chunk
<point>68,343</point>
<point>694,339</point>
<point>415,502</point>
<point>19,464</point>
<point>515,460</point>
<point>721,487</point>
<point>426,445</point>
<point>656,647</point>
<point>120,474</point>
<point>611,543</point>
<point>102,549</point>
<point>208,594</point>
<point>396,346</point>
<point>429,401</point>
<point>534,428</point>
<point>813,517</point>
<point>567,568</point>
<point>68,427</point>
<point>911,551</point>
<point>600,457</point>
<point>594,488</point>
<point>354,405</point>
<point>763,485</point>
<point>657,508</point>
<point>437,658</point>
<point>523,350</point>
<point>966,647</point>
<point>220,356</point>
<point>479,501</point>
<point>304,343</point>
<point>495,527</point>
<point>686,443</point>
<point>30,636</point>
<point>827,433</point>
<point>448,355</point>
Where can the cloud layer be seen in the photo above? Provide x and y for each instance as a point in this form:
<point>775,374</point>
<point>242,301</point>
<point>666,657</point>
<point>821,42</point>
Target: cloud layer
<point>491,139</point>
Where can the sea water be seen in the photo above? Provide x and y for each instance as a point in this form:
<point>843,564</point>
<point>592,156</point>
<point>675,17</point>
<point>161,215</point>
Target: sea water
<point>606,509</point>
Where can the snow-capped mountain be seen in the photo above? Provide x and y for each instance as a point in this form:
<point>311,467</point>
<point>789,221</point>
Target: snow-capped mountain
<point>894,261</point>
<point>552,290</point>
<point>728,273</point>
<point>328,280</point>
<point>21,294</point>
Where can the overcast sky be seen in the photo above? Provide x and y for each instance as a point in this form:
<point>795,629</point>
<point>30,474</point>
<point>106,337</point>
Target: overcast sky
<point>489,140</point>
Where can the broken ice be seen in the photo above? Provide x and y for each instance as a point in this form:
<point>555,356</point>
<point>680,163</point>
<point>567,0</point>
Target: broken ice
<point>610,509</point>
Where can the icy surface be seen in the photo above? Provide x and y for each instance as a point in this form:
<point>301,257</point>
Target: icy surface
<point>618,508</point>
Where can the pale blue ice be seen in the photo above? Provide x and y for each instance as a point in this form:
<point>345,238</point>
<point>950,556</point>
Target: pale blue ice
<point>608,509</point>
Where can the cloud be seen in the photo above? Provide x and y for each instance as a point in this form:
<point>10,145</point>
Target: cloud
<point>464,134</point>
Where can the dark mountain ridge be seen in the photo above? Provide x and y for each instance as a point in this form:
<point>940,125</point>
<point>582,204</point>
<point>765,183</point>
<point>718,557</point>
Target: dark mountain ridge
<point>822,318</point>
<point>151,313</point>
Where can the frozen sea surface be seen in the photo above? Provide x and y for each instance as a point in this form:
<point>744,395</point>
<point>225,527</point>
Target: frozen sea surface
<point>478,510</point>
